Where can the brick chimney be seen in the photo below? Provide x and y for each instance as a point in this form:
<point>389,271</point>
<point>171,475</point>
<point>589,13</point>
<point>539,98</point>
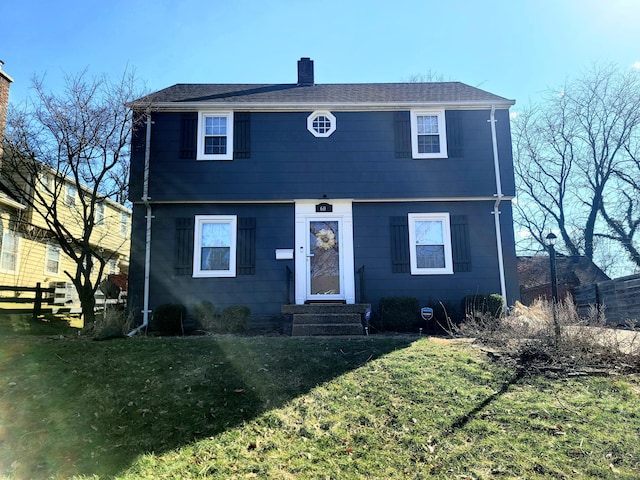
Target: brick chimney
<point>5,82</point>
<point>305,72</point>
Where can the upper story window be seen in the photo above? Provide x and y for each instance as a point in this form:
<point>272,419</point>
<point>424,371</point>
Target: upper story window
<point>428,134</point>
<point>70,195</point>
<point>215,136</point>
<point>321,124</point>
<point>46,180</point>
<point>430,251</point>
<point>214,252</point>
<point>99,215</point>
<point>124,224</point>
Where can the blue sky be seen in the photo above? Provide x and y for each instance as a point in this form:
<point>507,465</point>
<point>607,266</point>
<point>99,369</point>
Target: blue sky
<point>513,48</point>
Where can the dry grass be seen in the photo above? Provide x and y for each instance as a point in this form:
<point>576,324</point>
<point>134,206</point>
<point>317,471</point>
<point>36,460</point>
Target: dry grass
<point>578,344</point>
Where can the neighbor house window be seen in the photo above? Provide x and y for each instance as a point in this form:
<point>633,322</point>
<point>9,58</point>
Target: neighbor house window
<point>430,244</point>
<point>215,246</point>
<point>9,253</point>
<point>52,262</point>
<point>99,215</point>
<point>215,136</point>
<point>124,224</point>
<point>111,266</point>
<point>70,195</point>
<point>45,179</point>
<point>428,134</point>
<point>321,124</point>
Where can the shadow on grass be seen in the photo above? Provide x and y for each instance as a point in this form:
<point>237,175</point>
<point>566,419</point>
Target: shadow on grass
<point>462,420</point>
<point>76,407</point>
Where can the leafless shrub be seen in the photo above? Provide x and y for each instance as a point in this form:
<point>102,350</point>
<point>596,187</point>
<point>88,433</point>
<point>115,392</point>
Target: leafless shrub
<point>113,322</point>
<point>584,344</point>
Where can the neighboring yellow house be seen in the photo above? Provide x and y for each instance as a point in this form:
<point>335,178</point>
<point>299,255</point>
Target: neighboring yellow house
<point>29,254</point>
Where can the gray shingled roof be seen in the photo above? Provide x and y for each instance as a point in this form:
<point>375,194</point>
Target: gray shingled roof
<point>454,93</point>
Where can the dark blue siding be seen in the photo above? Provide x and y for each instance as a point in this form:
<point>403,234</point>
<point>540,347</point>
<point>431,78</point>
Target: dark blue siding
<point>357,161</point>
<point>372,245</point>
<point>264,291</point>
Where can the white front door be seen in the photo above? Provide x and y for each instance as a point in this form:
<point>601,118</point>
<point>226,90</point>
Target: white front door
<point>324,251</point>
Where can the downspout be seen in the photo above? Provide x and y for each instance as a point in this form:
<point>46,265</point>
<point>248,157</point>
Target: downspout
<point>147,243</point>
<point>496,205</point>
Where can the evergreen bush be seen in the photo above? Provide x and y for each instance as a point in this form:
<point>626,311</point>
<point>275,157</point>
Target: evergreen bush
<point>168,318</point>
<point>399,314</point>
<point>487,304</point>
<point>234,319</point>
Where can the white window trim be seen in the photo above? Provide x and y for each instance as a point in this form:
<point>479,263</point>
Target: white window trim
<point>316,114</point>
<point>201,123</point>
<point>51,247</point>
<point>442,133</point>
<point>446,233</point>
<point>16,264</point>
<point>201,220</point>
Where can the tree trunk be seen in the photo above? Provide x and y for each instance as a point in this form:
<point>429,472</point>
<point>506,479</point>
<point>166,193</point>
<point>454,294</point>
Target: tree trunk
<point>88,303</point>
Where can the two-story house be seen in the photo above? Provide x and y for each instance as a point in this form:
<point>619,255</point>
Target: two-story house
<point>29,253</point>
<point>265,195</point>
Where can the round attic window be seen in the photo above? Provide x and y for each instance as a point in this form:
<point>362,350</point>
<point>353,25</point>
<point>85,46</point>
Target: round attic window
<point>321,124</point>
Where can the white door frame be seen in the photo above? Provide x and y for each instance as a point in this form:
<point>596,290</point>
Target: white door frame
<point>307,210</point>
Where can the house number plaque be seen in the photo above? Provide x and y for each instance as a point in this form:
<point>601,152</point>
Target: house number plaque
<point>324,208</point>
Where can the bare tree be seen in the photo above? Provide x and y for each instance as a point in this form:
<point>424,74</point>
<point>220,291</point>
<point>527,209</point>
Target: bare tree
<point>77,137</point>
<point>573,153</point>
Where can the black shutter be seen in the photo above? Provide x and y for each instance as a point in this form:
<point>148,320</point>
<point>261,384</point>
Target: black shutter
<point>402,133</point>
<point>399,228</point>
<point>246,248</point>
<point>460,244</point>
<point>455,140</point>
<point>183,254</point>
<point>188,136</point>
<point>241,135</point>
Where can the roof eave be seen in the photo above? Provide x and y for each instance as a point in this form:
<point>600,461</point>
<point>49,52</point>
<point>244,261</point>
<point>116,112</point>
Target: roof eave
<point>306,106</point>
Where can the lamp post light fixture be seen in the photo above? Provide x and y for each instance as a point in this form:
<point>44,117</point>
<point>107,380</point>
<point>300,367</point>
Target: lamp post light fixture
<point>551,242</point>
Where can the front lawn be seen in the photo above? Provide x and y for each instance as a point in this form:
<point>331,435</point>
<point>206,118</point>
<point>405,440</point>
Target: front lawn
<point>375,407</point>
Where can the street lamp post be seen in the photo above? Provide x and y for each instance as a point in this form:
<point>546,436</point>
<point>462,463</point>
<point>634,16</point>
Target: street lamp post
<point>551,242</point>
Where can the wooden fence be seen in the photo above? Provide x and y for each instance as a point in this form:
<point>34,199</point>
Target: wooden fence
<point>60,297</point>
<point>619,297</point>
<point>38,298</point>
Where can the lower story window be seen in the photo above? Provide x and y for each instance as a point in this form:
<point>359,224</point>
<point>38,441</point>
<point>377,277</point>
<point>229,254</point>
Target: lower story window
<point>52,265</point>
<point>215,246</point>
<point>9,254</point>
<point>430,244</point>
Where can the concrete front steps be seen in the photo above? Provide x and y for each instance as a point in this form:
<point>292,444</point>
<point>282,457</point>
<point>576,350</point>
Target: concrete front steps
<point>326,318</point>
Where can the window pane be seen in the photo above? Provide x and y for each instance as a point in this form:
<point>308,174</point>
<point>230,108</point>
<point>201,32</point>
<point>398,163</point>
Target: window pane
<point>9,248</point>
<point>321,124</point>
<point>216,235</point>
<point>427,124</point>
<point>215,145</point>
<point>430,256</point>
<point>215,242</point>
<point>215,258</point>
<point>429,233</point>
<point>53,259</point>
<point>428,144</point>
<point>215,126</point>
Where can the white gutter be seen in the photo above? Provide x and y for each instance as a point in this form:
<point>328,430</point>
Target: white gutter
<point>147,244</point>
<point>496,206</point>
<point>192,106</point>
